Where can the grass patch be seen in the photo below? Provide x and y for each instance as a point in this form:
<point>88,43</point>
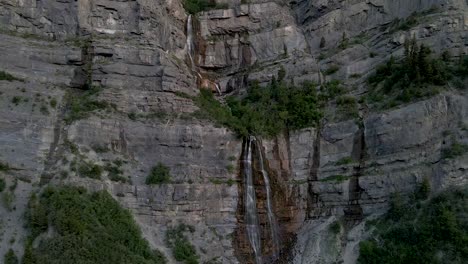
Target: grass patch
<point>88,228</point>
<point>421,231</point>
<point>159,174</point>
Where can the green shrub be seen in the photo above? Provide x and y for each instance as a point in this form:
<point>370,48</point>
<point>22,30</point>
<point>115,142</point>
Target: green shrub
<point>159,174</point>
<point>115,172</point>
<point>195,6</point>
<point>90,170</point>
<point>10,257</point>
<point>335,227</point>
<point>230,168</point>
<point>419,232</point>
<point>88,228</point>
<point>16,100</point>
<point>182,249</point>
<point>2,185</point>
<point>53,103</point>
<point>8,198</point>
<point>82,105</point>
<point>332,69</point>
<point>4,166</point>
<point>8,77</point>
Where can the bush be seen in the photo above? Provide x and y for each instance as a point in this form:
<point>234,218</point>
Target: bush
<point>181,247</point>
<point>10,257</point>
<point>419,232</point>
<point>335,227</point>
<point>90,170</point>
<point>332,69</point>
<point>159,174</point>
<point>195,6</point>
<point>82,105</point>
<point>8,77</point>
<point>4,166</point>
<point>88,228</point>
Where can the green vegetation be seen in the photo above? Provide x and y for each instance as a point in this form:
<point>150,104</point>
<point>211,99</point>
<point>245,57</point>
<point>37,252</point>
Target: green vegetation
<point>90,170</point>
<point>180,245</point>
<point>8,198</point>
<point>10,257</point>
<point>331,70</point>
<point>417,75</point>
<point>411,21</point>
<point>5,76</point>
<point>335,227</point>
<point>88,228</point>
<point>159,174</point>
<point>82,105</point>
<point>455,150</point>
<point>344,161</point>
<point>115,171</point>
<point>16,100</point>
<point>335,178</point>
<point>266,111</point>
<point>421,231</point>
<point>195,6</point>
<point>4,166</point>
<point>347,107</point>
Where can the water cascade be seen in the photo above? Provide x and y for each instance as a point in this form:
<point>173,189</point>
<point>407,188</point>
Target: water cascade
<point>271,216</point>
<point>190,44</point>
<point>251,216</point>
<point>191,52</point>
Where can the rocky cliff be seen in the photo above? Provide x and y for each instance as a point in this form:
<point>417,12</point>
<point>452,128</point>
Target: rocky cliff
<point>108,83</point>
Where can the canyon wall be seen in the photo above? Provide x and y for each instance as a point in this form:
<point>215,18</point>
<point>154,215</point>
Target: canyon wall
<point>344,170</point>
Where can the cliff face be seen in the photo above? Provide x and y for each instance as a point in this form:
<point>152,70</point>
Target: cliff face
<point>136,53</point>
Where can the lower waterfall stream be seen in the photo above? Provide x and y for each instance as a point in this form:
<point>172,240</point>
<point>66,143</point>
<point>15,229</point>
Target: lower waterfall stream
<point>251,212</point>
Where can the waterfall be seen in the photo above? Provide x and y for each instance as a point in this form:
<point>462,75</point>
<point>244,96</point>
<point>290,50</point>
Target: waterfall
<point>251,216</point>
<point>190,45</point>
<point>191,52</point>
<point>271,216</point>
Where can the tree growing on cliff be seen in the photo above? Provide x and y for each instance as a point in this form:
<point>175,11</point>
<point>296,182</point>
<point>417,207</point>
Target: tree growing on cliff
<point>159,174</point>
